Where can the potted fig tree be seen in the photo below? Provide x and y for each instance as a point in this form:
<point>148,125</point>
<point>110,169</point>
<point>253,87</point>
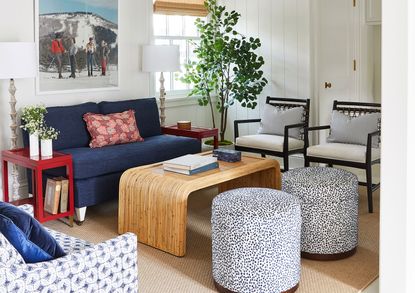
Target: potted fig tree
<point>227,69</point>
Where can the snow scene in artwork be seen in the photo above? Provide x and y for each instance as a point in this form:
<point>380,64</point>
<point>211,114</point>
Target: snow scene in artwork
<point>78,45</point>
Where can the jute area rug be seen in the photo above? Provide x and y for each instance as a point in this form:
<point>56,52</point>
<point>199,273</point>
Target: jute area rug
<point>160,272</point>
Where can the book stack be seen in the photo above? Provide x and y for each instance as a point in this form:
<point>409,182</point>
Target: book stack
<point>56,195</point>
<point>191,164</point>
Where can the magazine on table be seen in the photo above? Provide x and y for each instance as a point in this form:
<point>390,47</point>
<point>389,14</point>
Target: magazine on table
<point>190,162</point>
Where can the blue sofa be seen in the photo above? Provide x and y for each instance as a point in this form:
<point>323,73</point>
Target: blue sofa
<point>97,171</point>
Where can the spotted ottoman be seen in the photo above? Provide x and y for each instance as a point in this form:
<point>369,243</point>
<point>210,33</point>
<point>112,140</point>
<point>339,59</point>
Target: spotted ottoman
<point>329,208</point>
<point>256,241</point>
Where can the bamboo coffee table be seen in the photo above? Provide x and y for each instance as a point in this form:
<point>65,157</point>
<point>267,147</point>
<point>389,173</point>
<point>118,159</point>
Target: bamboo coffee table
<point>153,203</point>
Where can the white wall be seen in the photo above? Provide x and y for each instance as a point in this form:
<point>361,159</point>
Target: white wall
<point>377,67</point>
<point>284,29</point>
<point>17,24</point>
<point>397,237</point>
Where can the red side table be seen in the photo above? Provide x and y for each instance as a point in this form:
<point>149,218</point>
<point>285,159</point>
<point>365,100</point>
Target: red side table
<point>195,132</point>
<point>22,158</point>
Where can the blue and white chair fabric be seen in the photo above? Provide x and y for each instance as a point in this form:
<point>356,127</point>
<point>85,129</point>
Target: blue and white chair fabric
<point>256,241</point>
<point>110,266</point>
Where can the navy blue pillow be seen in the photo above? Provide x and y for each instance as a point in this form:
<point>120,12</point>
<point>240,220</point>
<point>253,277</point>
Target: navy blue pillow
<point>27,235</point>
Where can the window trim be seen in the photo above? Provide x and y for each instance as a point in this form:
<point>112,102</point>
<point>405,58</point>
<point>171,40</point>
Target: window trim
<point>180,93</point>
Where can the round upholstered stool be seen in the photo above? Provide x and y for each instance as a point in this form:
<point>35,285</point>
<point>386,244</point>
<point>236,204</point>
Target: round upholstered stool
<point>256,241</point>
<point>329,209</point>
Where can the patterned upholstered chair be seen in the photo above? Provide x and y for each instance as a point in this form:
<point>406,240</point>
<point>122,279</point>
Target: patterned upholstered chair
<point>110,266</point>
<point>271,144</point>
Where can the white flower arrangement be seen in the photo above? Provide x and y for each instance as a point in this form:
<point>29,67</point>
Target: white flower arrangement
<point>48,132</point>
<point>33,118</point>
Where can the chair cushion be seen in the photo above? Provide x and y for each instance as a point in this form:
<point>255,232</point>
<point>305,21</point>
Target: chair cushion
<point>346,129</point>
<point>110,129</point>
<point>268,142</point>
<point>27,235</point>
<point>274,120</point>
<point>342,151</point>
<point>68,120</point>
<point>146,113</point>
<point>89,162</point>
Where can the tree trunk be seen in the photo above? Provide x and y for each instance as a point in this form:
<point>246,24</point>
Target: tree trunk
<point>224,121</point>
<point>212,112</point>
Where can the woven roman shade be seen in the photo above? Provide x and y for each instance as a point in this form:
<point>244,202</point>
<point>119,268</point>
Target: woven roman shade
<point>180,7</point>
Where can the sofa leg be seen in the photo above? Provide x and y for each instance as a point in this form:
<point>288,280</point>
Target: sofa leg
<point>80,215</point>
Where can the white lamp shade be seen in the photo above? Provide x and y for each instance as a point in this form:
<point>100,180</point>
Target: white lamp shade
<point>161,58</point>
<point>17,60</point>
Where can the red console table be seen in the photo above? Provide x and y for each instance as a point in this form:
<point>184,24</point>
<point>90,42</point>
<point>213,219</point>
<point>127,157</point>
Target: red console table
<point>22,158</point>
<point>195,132</point>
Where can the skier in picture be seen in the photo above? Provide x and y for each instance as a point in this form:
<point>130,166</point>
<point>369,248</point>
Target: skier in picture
<point>58,50</point>
<point>105,52</point>
<point>72,57</point>
<point>90,51</point>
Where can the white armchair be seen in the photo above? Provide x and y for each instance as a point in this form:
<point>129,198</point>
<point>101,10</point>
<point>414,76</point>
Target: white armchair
<point>361,156</point>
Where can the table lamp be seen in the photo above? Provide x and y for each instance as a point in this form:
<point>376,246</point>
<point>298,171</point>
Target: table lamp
<point>161,58</point>
<point>17,60</point>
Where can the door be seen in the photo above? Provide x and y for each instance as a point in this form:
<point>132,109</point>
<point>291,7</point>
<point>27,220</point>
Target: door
<point>337,28</point>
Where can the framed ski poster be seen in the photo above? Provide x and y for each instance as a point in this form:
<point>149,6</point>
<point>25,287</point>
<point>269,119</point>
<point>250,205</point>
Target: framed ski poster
<point>78,45</point>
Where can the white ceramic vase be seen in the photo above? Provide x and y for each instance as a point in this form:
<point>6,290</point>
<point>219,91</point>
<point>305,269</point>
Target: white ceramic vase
<point>34,145</point>
<point>46,148</point>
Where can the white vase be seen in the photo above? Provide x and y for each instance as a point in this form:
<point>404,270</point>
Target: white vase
<point>34,145</point>
<point>46,148</point>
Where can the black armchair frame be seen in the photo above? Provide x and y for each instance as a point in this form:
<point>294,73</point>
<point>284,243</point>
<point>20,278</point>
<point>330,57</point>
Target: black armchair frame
<point>352,109</point>
<point>284,103</point>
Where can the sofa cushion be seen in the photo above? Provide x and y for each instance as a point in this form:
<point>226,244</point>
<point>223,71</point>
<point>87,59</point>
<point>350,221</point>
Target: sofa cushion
<point>68,120</point>
<point>146,113</point>
<point>27,235</point>
<point>110,129</point>
<point>89,162</point>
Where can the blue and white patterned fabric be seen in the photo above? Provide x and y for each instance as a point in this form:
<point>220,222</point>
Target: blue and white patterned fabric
<point>110,266</point>
<point>329,209</point>
<point>256,241</point>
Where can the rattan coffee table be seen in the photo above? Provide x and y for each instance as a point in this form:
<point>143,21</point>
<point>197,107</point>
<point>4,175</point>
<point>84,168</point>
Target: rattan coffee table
<point>153,203</point>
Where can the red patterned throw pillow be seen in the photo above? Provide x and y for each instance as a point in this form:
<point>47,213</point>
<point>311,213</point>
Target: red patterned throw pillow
<point>115,128</point>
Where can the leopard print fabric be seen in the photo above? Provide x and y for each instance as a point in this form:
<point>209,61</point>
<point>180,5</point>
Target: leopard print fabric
<point>256,240</point>
<point>329,208</point>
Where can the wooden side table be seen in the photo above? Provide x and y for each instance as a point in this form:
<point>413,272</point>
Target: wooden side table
<point>195,132</point>
<point>21,157</point>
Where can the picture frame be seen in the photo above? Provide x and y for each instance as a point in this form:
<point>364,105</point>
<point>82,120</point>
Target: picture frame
<point>60,25</point>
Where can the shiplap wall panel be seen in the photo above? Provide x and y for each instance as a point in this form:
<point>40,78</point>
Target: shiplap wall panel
<point>284,29</point>
<point>252,29</point>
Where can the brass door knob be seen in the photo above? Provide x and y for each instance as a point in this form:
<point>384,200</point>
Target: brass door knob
<point>327,85</point>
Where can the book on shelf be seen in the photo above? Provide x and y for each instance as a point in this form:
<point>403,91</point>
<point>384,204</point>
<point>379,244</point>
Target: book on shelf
<point>63,206</point>
<point>189,162</point>
<point>52,196</point>
<point>201,169</point>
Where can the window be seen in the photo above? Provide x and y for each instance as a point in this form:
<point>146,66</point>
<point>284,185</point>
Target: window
<point>176,30</point>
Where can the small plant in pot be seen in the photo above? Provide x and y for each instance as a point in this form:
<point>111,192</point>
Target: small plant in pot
<point>46,135</point>
<point>227,69</point>
<point>32,118</point>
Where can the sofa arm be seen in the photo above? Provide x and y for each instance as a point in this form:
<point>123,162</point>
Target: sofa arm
<point>110,266</point>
